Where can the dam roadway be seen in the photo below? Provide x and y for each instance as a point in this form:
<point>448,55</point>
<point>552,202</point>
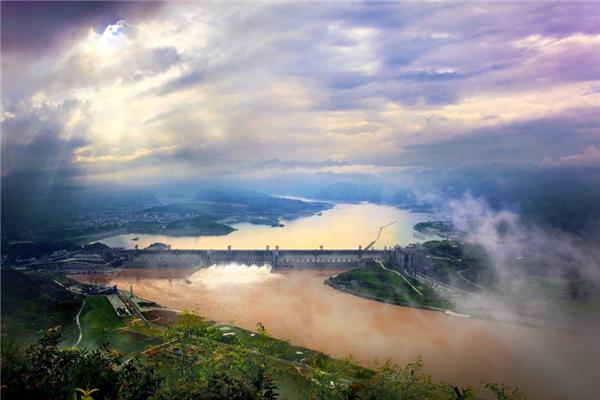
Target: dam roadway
<point>303,259</point>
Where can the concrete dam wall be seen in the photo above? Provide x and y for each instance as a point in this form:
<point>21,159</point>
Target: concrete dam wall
<point>312,259</point>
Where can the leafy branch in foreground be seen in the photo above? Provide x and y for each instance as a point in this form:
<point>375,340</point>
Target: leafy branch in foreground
<point>85,394</point>
<point>195,364</point>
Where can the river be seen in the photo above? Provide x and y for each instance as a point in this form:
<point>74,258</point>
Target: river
<point>297,306</point>
<point>345,226</point>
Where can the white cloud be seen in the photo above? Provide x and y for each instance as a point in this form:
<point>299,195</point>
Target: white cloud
<point>303,83</point>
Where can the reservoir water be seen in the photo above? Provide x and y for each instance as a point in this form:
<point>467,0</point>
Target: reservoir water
<point>345,226</point>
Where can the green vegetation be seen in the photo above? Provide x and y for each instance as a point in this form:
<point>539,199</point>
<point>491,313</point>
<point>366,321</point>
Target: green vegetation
<point>25,250</point>
<point>100,324</point>
<point>32,302</point>
<point>209,212</point>
<point>194,362</point>
<point>375,283</point>
<point>45,371</point>
<point>192,226</point>
<point>442,259</point>
<point>187,227</point>
<point>196,226</point>
<point>185,358</point>
<point>440,228</point>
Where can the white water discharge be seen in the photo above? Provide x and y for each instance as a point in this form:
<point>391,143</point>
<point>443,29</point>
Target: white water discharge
<point>232,274</point>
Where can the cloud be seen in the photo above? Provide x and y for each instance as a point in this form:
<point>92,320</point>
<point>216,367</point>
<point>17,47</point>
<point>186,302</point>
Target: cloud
<point>35,139</point>
<point>534,276</point>
<point>182,82</point>
<point>533,142</point>
<point>373,86</point>
<point>589,156</point>
<point>138,154</point>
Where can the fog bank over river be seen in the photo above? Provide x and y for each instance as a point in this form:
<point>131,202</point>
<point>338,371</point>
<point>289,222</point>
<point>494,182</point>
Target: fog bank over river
<point>296,305</point>
<point>345,226</point>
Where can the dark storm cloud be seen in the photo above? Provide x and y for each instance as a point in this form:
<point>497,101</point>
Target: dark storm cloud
<point>40,26</point>
<point>535,141</point>
<point>32,142</point>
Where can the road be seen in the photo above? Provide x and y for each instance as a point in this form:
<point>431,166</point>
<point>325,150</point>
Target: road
<point>401,276</point>
<point>79,325</point>
<point>447,312</point>
<point>133,307</point>
<point>459,273</point>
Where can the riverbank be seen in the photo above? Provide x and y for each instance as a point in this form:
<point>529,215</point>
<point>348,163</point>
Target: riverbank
<point>344,226</point>
<point>384,285</point>
<point>381,300</point>
<point>298,307</point>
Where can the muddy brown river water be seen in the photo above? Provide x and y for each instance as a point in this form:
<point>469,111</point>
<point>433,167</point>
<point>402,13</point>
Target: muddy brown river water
<point>297,306</point>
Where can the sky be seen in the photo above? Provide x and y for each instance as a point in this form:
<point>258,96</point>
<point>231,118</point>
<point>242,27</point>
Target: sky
<point>148,92</point>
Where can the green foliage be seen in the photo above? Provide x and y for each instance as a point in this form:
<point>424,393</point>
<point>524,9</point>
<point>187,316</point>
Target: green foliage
<point>503,392</point>
<point>409,383</point>
<point>435,227</point>
<point>44,371</point>
<point>195,365</point>
<point>85,394</point>
<point>328,385</point>
<point>191,326</point>
<point>100,324</point>
<point>376,283</point>
<point>443,258</point>
<point>31,302</point>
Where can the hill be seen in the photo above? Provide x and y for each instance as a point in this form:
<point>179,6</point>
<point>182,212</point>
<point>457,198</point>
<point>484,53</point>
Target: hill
<point>31,303</point>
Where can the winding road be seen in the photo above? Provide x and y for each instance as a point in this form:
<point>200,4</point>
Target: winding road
<point>401,276</point>
<point>79,325</point>
<point>470,282</point>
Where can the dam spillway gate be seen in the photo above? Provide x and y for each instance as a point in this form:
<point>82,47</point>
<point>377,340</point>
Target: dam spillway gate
<point>300,259</point>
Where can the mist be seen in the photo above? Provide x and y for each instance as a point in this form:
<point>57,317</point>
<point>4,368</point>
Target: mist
<point>531,271</point>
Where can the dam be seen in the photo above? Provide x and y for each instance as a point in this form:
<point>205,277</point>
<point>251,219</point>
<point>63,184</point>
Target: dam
<point>279,259</point>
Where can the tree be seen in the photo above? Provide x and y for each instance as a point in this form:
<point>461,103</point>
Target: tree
<point>44,371</point>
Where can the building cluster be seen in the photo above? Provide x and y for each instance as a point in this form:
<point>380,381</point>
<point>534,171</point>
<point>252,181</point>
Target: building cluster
<point>124,217</point>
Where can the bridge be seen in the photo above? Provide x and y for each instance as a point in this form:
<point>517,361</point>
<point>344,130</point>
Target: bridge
<point>299,259</point>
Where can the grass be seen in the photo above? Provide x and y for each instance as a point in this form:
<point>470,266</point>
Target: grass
<point>32,302</point>
<point>289,364</point>
<point>378,284</point>
<point>276,348</point>
<point>100,324</point>
<point>284,350</point>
